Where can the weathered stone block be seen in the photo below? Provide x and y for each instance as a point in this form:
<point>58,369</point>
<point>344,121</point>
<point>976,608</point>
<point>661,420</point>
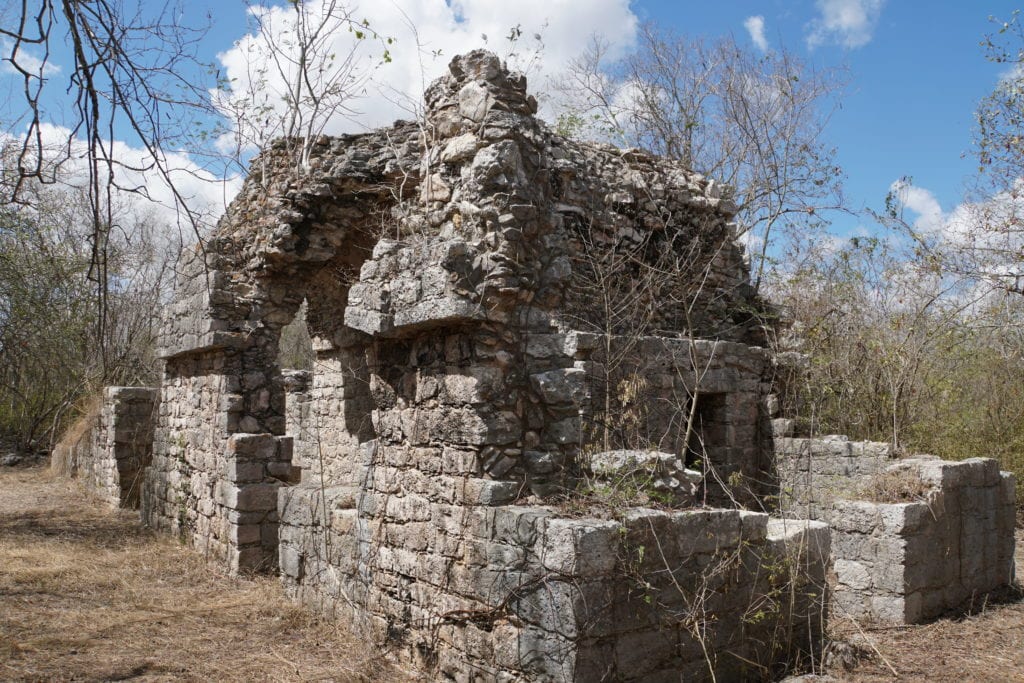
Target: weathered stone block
<point>251,498</point>
<point>580,547</point>
<point>566,386</point>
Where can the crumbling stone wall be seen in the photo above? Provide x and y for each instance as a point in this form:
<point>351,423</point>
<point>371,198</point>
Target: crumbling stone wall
<point>489,305</point>
<point>445,268</point>
<point>110,454</point>
<point>469,227</point>
<point>700,399</point>
<point>491,308</point>
<point>913,537</point>
<point>300,422</point>
<point>75,444</point>
<point>524,593</point>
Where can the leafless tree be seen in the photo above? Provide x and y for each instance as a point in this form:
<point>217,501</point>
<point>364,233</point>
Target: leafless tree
<point>132,77</point>
<point>306,64</point>
<point>753,122</point>
<point>49,355</point>
<point>982,241</point>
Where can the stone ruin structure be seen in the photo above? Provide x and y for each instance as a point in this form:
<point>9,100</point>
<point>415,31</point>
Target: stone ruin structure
<point>534,444</point>
<point>114,446</point>
<point>900,558</point>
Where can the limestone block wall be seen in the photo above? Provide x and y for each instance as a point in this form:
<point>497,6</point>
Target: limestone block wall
<point>814,472</point>
<point>522,593</point>
<point>75,444</point>
<point>419,536</point>
<point>339,414</point>
<point>110,455</point>
<point>480,229</point>
<point>908,562</point>
<point>212,486</point>
<point>191,322</point>
<point>903,560</point>
<point>535,441</point>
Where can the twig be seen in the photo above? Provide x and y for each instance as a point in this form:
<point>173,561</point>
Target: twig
<point>871,643</point>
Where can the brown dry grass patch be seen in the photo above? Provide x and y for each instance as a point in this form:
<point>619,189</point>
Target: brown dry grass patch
<point>88,595</point>
<point>75,436</point>
<point>897,485</point>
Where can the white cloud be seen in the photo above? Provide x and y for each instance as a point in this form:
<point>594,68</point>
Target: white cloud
<point>850,23</point>
<point>141,187</point>
<point>755,27</point>
<point>25,60</point>
<point>987,224</point>
<point>983,239</point>
<point>427,34</point>
<point>922,202</point>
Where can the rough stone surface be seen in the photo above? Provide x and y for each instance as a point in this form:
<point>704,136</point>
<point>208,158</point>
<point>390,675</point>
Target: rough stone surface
<point>112,452</point>
<point>661,472</point>
<point>903,561</point>
<point>467,376</point>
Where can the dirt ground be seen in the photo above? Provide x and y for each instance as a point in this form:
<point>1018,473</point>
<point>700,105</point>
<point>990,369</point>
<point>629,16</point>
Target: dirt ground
<point>88,595</point>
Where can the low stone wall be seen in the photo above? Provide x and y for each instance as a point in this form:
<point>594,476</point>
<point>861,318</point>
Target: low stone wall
<point>935,534</point>
<point>813,473</point>
<point>518,593</point>
<point>110,454</point>
<point>909,562</point>
<point>76,443</point>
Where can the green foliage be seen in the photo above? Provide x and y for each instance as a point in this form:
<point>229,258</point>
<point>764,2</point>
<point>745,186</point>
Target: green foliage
<point>47,317</point>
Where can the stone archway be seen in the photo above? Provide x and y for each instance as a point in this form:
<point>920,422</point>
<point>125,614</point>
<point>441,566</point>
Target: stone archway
<point>220,449</point>
<point>458,342</point>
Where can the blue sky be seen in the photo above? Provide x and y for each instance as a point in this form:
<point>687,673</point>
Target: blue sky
<point>914,85</point>
<point>916,69</point>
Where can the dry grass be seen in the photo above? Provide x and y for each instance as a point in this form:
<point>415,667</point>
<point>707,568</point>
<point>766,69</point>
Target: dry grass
<point>87,595</point>
<point>74,437</point>
<point>985,646</point>
<point>902,485</point>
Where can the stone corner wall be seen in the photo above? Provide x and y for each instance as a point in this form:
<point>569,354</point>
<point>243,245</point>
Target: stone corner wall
<point>224,501</point>
<point>524,593</point>
<point>897,560</point>
<point>112,451</point>
<point>814,472</point>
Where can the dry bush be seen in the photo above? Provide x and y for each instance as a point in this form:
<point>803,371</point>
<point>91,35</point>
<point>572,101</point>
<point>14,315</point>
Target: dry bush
<point>64,458</point>
<point>902,485</point>
<point>86,594</point>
